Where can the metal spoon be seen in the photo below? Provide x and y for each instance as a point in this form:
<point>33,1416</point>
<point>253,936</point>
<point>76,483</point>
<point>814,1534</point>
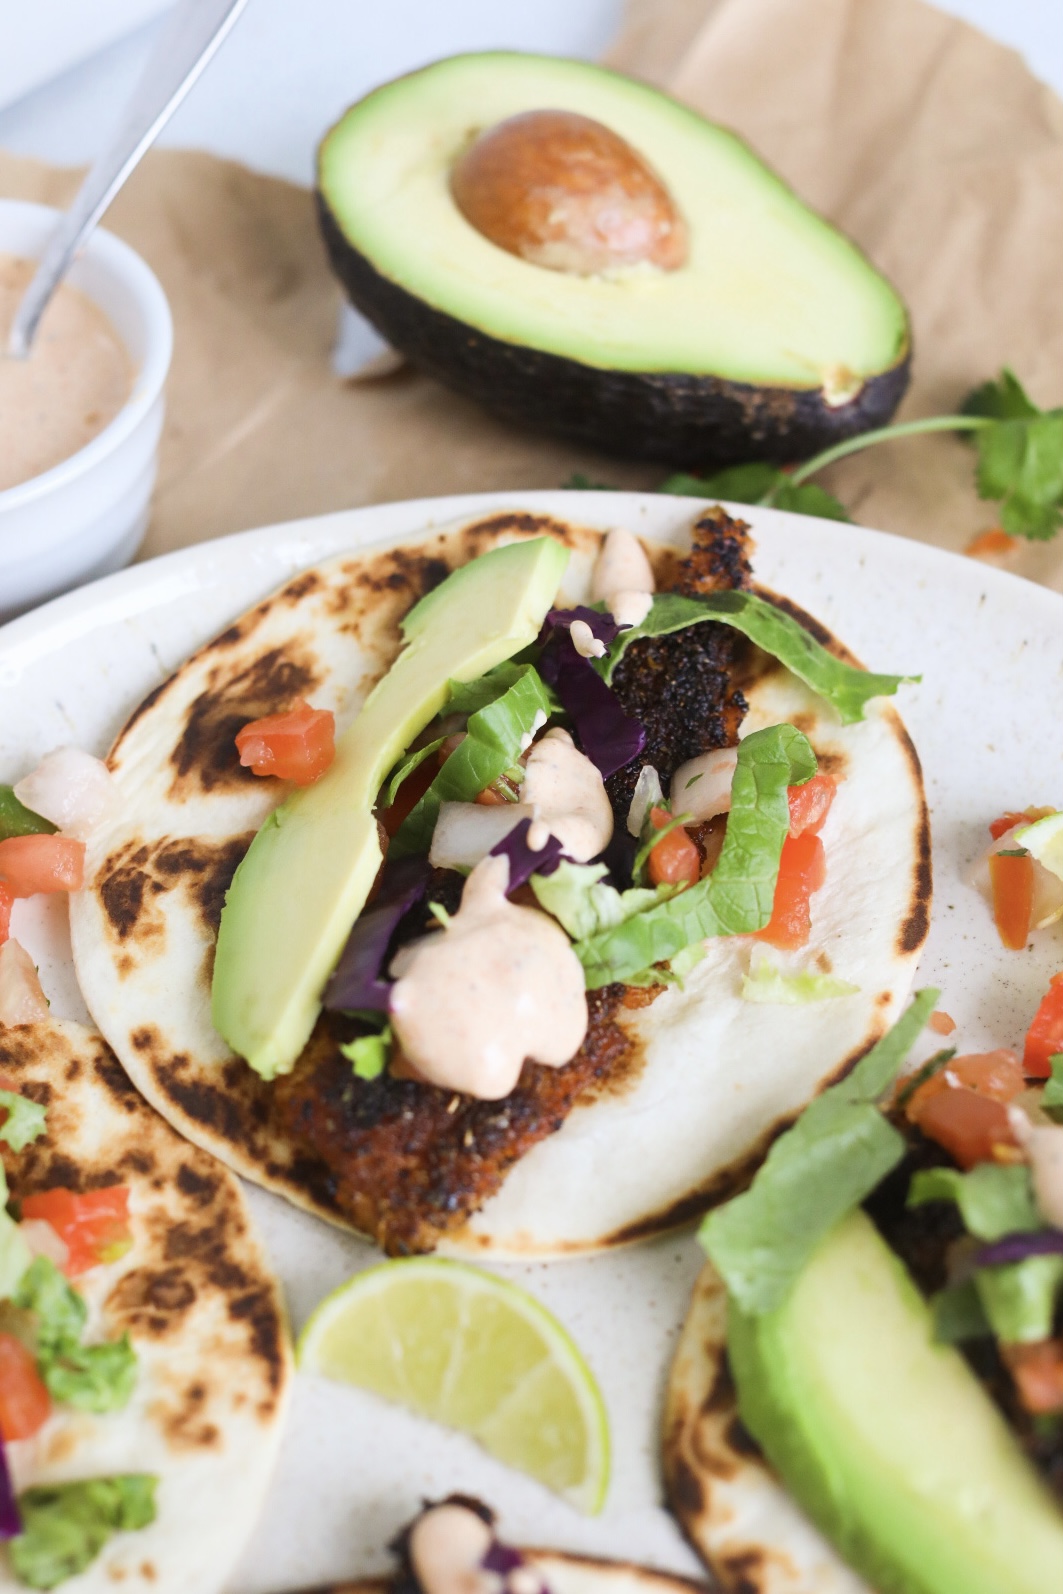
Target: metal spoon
<point>190,36</point>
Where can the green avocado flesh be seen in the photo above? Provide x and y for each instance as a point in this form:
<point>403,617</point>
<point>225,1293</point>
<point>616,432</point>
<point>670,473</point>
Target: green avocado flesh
<point>310,868</point>
<point>885,1437</point>
<point>771,294</point>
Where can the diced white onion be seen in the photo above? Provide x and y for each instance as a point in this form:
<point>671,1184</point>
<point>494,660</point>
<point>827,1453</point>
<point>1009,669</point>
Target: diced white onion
<point>22,1001</point>
<point>702,786</point>
<point>43,1241</point>
<point>69,787</point>
<point>466,832</point>
<point>647,795</point>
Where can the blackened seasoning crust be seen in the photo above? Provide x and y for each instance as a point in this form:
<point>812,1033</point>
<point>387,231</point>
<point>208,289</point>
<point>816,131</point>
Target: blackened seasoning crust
<point>679,686</point>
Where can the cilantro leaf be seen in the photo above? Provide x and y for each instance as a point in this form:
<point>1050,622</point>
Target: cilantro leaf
<point>1002,400</point>
<point>66,1525</point>
<point>1020,457</point>
<point>759,483</point>
<point>839,1149</point>
<point>24,1121</point>
<point>845,686</point>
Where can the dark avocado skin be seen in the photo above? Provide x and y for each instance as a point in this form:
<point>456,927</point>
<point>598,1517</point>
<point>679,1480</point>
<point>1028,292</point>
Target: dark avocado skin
<point>671,419</point>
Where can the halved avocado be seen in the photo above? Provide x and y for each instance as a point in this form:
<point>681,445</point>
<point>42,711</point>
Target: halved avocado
<point>775,338</point>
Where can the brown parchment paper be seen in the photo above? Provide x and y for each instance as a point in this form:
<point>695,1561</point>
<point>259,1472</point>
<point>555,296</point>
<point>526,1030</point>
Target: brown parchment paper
<point>932,146</point>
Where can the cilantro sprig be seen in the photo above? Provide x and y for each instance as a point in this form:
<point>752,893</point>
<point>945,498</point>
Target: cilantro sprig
<point>1020,463</point>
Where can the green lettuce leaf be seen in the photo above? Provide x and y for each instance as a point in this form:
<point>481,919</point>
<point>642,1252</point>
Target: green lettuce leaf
<point>759,483</point>
<point>494,740</point>
<point>994,1199</point>
<point>959,1314</point>
<point>95,1378</point>
<point>1019,1299</point>
<point>844,686</point>
<point>737,897</point>
<point>468,697</point>
<point>66,1525</point>
<point>768,983</point>
<point>15,1254</point>
<point>24,1121</point>
<point>369,1053</point>
<point>1052,1099</point>
<point>836,1153</point>
<point>406,766</point>
<point>585,905</point>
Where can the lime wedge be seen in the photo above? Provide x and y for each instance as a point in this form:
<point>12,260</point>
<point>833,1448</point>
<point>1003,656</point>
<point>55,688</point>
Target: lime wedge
<point>473,1352</point>
<point>1044,839</point>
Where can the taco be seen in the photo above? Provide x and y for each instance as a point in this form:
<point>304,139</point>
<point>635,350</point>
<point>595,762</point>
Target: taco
<point>144,1361</point>
<point>452,1546</point>
<point>617,1111</point>
<point>868,1390</point>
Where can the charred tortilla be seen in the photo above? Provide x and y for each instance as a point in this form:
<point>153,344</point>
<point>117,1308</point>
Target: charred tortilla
<point>669,1101</point>
<point>197,1298</point>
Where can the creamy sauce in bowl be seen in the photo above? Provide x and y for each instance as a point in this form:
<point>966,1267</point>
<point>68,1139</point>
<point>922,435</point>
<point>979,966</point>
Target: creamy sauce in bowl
<point>76,379</point>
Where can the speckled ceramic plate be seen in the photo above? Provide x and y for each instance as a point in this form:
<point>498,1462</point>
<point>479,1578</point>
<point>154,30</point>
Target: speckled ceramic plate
<point>986,721</point>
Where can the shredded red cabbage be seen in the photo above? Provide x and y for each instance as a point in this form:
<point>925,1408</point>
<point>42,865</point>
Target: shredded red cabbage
<point>501,1558</point>
<point>609,737</point>
<point>10,1520</point>
<point>356,982</point>
<point>1017,1247</point>
<point>523,862</point>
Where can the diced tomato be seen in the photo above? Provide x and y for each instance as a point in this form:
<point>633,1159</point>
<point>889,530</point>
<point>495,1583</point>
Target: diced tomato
<point>810,804</point>
<point>7,899</point>
<point>675,859</point>
<point>298,745</point>
<point>94,1226</point>
<point>1006,822</point>
<point>29,864</point>
<point>996,1075</point>
<point>1011,882</point>
<point>971,1127</point>
<point>941,1023</point>
<point>25,1404</point>
<point>802,870</point>
<point>1038,1373</point>
<point>1044,1038</point>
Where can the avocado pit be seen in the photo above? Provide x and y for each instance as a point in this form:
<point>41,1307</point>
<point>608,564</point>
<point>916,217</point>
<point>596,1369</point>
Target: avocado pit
<point>565,192</point>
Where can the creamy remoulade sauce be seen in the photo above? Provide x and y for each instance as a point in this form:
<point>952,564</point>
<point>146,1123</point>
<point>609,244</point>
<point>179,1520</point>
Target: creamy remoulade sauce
<point>447,1546</point>
<point>568,797</point>
<point>76,379</point>
<point>496,985</point>
<point>623,578</point>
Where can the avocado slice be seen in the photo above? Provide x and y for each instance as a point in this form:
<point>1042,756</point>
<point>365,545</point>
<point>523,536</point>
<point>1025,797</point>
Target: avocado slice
<point>774,339</point>
<point>306,875</point>
<point>885,1437</point>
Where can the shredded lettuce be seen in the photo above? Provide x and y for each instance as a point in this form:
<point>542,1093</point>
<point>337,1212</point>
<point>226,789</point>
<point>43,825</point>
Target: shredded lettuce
<point>15,1254</point>
<point>845,686</point>
<point>836,1153</point>
<point>66,1525</point>
<point>994,1199</point>
<point>585,905</point>
<point>24,1121</point>
<point>1017,1299</point>
<point>959,1314</point>
<point>493,742</point>
<point>468,697</point>
<point>406,767</point>
<point>767,982</point>
<point>737,897</point>
<point>95,1378</point>
<point>369,1053</point>
<point>1052,1099</point>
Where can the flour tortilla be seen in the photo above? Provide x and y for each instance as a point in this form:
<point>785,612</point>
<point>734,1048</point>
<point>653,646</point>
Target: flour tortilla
<point>199,1303</point>
<point>746,1527</point>
<point>711,1078</point>
<point>561,1574</point>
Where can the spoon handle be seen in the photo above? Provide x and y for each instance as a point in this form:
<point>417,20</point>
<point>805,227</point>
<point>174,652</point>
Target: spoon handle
<point>190,35</point>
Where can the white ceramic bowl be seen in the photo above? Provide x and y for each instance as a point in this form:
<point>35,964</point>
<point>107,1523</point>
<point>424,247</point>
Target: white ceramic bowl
<point>86,516</point>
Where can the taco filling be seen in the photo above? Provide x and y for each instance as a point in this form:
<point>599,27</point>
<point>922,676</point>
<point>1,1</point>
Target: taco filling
<point>572,801</point>
<point>893,1323</point>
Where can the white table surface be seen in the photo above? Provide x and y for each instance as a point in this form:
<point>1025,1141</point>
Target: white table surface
<point>291,66</point>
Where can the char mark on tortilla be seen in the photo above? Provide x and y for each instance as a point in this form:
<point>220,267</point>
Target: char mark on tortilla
<point>679,686</point>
